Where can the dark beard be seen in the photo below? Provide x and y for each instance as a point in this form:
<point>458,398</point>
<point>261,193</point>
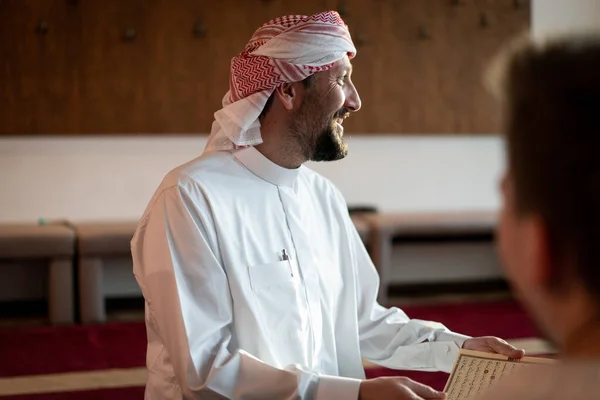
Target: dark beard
<point>328,146</point>
<point>318,143</point>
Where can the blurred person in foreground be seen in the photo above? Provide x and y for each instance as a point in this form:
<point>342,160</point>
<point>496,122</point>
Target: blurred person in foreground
<point>549,234</point>
<point>257,285</point>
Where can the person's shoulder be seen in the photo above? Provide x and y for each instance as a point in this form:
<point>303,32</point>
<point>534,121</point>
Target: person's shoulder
<point>187,179</point>
<point>321,184</point>
<point>518,386</point>
<point>199,169</point>
<point>548,382</point>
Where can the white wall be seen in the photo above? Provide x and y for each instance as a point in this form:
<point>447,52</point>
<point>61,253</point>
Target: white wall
<point>95,178</point>
<point>560,17</point>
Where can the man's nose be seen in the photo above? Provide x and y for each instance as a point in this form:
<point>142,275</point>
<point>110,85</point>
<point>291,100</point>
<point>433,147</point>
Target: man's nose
<point>353,100</point>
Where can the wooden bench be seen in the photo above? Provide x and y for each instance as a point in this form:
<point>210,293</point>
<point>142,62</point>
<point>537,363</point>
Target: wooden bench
<point>362,226</point>
<point>98,243</point>
<point>52,246</point>
<point>389,227</point>
<point>102,242</point>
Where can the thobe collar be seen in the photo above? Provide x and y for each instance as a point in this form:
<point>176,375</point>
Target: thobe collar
<point>265,169</point>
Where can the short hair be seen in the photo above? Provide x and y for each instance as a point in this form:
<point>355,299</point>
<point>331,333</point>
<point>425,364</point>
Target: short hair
<point>307,82</point>
<point>551,99</point>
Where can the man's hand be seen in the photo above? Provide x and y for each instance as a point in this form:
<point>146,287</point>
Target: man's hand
<point>490,344</point>
<point>397,388</point>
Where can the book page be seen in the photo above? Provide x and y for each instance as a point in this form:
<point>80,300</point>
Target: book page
<point>475,371</point>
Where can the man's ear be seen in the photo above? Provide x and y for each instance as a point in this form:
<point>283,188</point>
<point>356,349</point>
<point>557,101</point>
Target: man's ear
<point>288,95</point>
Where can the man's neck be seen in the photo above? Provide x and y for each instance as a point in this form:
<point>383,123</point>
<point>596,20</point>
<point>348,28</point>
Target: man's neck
<point>279,146</point>
<point>583,341</point>
<point>280,156</point>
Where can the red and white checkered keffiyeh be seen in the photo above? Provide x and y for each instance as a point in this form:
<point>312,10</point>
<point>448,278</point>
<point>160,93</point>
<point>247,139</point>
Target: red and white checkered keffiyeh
<point>286,49</point>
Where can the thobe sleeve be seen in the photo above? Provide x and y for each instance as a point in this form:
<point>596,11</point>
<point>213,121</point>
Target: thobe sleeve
<point>187,293</point>
<point>388,336</point>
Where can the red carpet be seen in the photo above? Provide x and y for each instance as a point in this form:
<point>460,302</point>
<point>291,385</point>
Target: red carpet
<point>44,350</point>
<point>505,319</point>
<point>132,393</point>
<point>47,350</point>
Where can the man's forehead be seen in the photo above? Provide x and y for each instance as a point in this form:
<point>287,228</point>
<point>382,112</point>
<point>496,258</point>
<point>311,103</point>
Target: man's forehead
<point>343,63</point>
<point>339,66</point>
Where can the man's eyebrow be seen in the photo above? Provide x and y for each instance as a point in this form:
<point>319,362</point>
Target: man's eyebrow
<point>346,68</point>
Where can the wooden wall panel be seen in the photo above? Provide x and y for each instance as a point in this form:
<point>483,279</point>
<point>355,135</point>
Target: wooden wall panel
<point>82,77</point>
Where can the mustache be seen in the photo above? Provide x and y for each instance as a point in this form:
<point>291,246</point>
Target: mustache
<point>342,112</point>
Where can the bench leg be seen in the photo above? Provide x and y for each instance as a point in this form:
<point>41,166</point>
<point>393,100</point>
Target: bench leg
<point>60,291</point>
<point>381,247</point>
<point>91,291</point>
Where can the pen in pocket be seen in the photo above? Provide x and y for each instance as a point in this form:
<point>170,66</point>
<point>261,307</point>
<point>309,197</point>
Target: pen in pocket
<point>285,257</point>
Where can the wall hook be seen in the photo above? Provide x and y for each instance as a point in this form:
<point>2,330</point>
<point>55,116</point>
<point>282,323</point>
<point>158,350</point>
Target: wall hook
<point>423,33</point>
<point>484,20</point>
<point>129,35</point>
<point>361,39</point>
<point>199,30</point>
<point>42,27</point>
<point>342,8</point>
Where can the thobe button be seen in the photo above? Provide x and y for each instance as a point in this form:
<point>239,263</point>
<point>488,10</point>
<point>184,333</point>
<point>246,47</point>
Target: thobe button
<point>447,348</point>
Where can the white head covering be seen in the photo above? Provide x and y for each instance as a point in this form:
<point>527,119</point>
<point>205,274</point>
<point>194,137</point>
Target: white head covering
<point>286,49</point>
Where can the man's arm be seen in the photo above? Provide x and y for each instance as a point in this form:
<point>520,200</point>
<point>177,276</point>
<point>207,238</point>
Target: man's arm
<point>177,264</point>
<point>388,336</point>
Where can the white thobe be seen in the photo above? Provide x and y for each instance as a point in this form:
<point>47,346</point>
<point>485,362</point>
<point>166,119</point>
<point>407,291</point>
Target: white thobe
<point>228,316</point>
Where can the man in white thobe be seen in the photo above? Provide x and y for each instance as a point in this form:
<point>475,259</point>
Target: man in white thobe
<point>257,285</point>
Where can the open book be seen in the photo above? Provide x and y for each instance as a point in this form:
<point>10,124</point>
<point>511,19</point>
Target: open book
<point>475,371</point>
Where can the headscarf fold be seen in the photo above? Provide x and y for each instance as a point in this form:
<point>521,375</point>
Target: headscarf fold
<point>284,50</point>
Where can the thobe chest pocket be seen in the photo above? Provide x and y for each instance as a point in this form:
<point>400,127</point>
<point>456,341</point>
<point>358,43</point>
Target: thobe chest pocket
<point>272,275</point>
<point>280,298</point>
